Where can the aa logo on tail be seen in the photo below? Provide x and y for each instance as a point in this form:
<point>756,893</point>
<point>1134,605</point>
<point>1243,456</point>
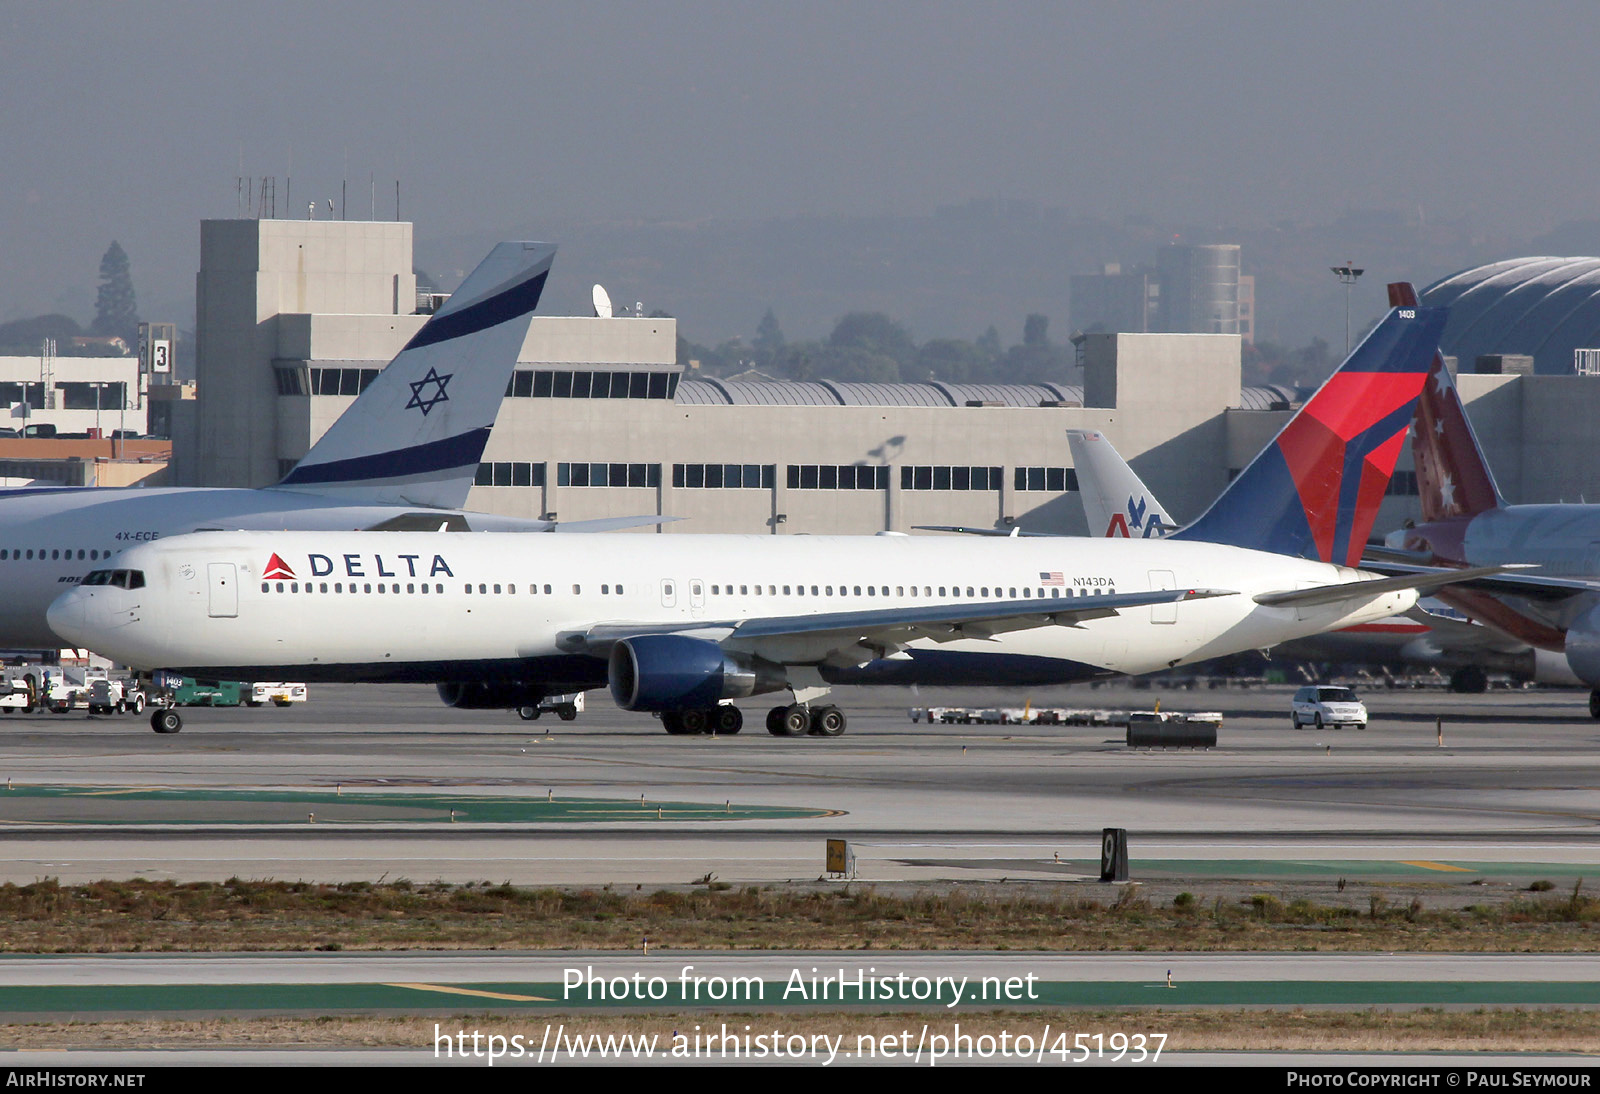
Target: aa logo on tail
<point>1125,526</point>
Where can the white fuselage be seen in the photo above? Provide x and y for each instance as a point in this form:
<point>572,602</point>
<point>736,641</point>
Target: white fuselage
<point>51,536</point>
<point>450,607</point>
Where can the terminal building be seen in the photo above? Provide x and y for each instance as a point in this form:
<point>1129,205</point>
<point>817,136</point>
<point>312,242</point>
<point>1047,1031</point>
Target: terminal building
<point>295,317</point>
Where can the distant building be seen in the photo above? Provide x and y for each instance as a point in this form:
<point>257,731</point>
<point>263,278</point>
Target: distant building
<point>1191,290</point>
<point>1114,302</point>
<point>1199,289</point>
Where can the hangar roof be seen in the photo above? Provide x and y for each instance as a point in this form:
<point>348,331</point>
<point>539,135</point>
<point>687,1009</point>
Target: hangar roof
<point>1543,306</point>
<point>713,391</point>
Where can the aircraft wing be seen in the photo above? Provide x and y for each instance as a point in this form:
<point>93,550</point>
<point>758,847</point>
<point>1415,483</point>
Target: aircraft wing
<point>795,638</point>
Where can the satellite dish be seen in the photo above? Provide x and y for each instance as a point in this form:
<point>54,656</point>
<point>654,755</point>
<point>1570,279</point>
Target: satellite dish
<point>602,303</point>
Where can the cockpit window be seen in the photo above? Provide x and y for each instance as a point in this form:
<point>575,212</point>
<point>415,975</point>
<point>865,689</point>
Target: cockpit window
<point>122,579</point>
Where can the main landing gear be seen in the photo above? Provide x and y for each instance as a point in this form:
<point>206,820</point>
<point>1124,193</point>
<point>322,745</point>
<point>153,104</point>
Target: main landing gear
<point>794,720</point>
<point>165,721</point>
<point>797,720</point>
<point>721,720</point>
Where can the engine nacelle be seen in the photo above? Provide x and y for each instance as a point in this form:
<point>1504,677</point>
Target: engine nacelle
<point>660,672</point>
<point>1583,647</point>
<point>481,696</point>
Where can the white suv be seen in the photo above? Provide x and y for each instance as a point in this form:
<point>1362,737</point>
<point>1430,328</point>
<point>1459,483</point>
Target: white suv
<point>1320,705</point>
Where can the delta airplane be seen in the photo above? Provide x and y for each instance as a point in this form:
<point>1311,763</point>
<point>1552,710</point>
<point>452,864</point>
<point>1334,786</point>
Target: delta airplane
<point>678,625</point>
<point>403,455</point>
<point>1116,500</point>
<point>1466,522</point>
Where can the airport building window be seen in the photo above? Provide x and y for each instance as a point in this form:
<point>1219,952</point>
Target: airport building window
<point>919,477</point>
<point>1403,484</point>
<point>608,474</point>
<point>725,476</point>
<point>591,384</point>
<point>509,473</point>
<point>301,380</point>
<point>82,396</point>
<point>1054,479</point>
<point>847,476</point>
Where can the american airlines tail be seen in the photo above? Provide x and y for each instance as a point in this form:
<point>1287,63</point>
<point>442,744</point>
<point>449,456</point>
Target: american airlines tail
<point>1453,478</point>
<point>1315,490</point>
<point>417,433</point>
<point>1116,501</point>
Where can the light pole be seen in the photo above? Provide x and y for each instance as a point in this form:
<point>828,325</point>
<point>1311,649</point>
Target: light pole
<point>1347,275</point>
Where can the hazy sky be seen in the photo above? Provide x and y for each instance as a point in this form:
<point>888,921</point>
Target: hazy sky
<point>131,120</point>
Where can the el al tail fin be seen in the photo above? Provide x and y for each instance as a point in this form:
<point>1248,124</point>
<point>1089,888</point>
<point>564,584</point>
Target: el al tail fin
<point>1453,478</point>
<point>1315,490</point>
<point>416,434</point>
<point>1116,501</point>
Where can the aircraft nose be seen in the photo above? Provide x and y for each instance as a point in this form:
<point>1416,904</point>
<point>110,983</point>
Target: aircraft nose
<point>68,616</point>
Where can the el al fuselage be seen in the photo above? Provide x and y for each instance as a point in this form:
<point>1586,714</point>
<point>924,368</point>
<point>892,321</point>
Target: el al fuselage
<point>51,536</point>
<point>353,607</point>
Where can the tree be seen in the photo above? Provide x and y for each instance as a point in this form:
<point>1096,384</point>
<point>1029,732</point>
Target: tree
<point>115,310</point>
<point>769,339</point>
<point>875,335</point>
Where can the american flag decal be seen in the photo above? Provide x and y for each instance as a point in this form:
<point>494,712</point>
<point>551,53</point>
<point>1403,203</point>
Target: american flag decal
<point>1051,578</point>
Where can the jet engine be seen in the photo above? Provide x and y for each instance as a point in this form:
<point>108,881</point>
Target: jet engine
<point>661,672</point>
<point>482,696</point>
<point>1583,647</point>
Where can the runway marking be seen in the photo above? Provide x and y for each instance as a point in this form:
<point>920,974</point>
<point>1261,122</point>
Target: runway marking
<point>1437,866</point>
<point>474,992</point>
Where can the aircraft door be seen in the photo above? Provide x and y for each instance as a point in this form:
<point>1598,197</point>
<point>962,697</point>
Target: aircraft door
<point>223,581</point>
<point>1163,613</point>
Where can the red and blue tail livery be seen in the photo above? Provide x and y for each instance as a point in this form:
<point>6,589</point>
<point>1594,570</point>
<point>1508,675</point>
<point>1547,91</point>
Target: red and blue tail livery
<point>1315,490</point>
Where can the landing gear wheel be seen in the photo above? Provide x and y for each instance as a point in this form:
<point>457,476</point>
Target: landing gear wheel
<point>529,713</point>
<point>827,722</point>
<point>1469,680</point>
<point>694,721</point>
<point>775,721</point>
<point>1594,703</point>
<point>727,720</point>
<point>166,721</point>
<point>796,720</point>
<point>672,722</point>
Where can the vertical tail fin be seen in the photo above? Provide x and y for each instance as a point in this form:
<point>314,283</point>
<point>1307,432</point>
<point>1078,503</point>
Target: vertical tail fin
<point>1115,500</point>
<point>1315,490</point>
<point>1453,478</point>
<point>416,434</point>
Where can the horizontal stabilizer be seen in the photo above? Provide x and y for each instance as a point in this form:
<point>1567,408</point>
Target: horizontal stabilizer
<point>993,533</point>
<point>1514,582</point>
<point>1422,582</point>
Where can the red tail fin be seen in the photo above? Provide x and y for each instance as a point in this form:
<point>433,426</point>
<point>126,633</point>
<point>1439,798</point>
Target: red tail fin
<point>1453,478</point>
